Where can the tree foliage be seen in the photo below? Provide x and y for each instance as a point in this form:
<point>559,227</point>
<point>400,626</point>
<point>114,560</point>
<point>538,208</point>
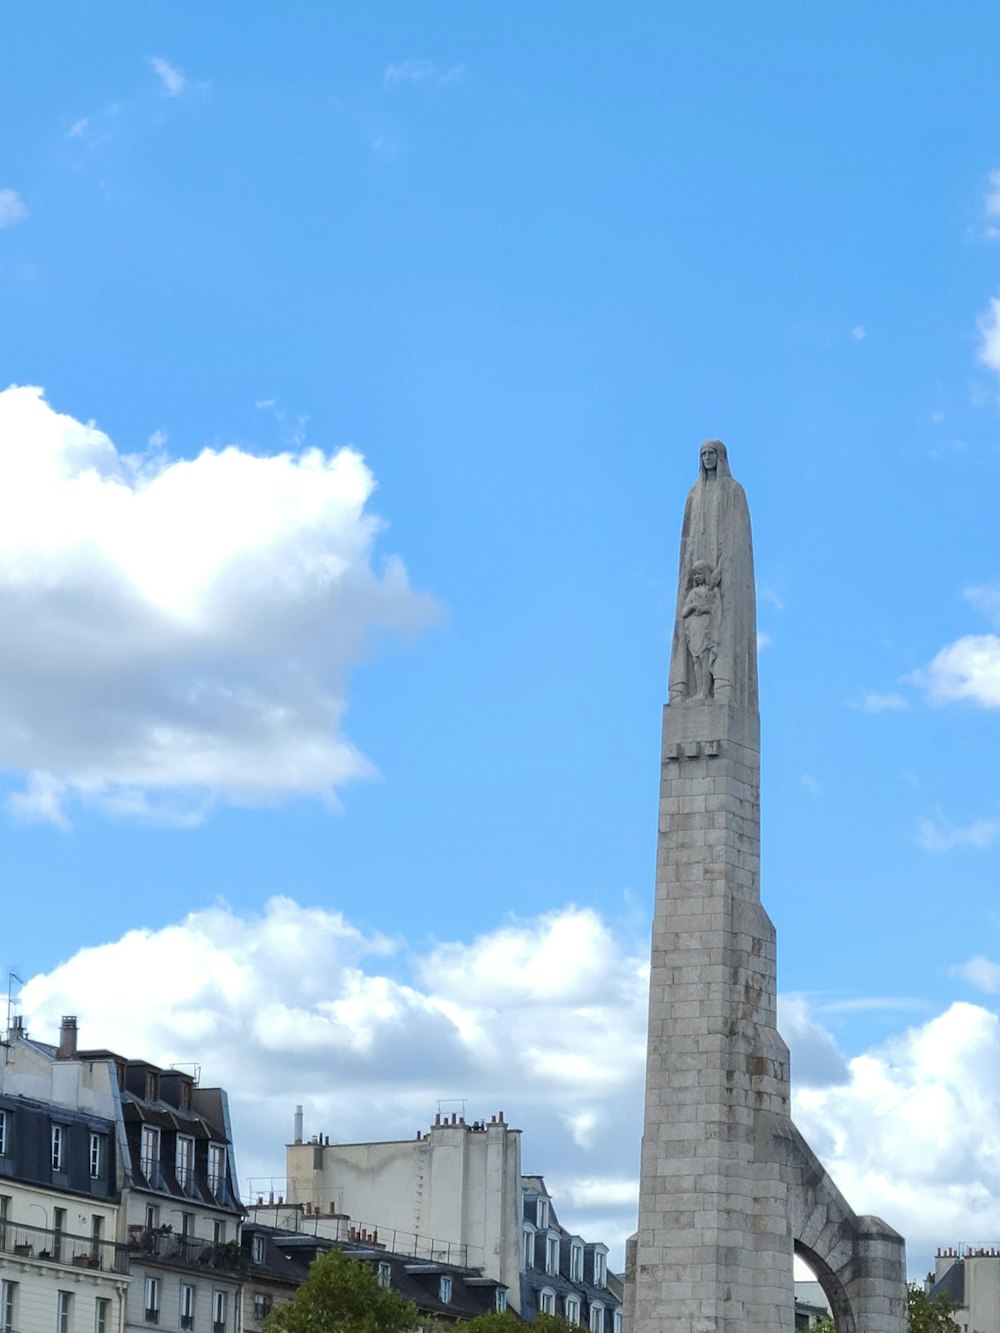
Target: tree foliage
<point>929,1316</point>
<point>342,1295</point>
<point>924,1315</point>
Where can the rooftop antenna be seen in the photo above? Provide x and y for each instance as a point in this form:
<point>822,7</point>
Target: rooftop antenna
<point>11,1002</point>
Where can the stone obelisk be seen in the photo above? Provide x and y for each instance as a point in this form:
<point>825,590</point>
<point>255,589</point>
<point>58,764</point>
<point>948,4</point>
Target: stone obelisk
<point>728,1188</point>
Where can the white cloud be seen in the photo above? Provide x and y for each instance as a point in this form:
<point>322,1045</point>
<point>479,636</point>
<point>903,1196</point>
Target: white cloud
<point>79,128</point>
<point>991,206</point>
<point>938,835</point>
<point>811,784</point>
<point>299,1006</point>
<point>172,81</point>
<point>185,630</point>
<point>968,669</point>
<point>543,1018</point>
<point>12,208</point>
<point>914,1136</point>
<point>419,71</point>
<point>989,335</point>
<point>816,1061</point>
<point>979,972</point>
<point>985,598</point>
<point>764,640</point>
<point>880,703</point>
<point>859,333</point>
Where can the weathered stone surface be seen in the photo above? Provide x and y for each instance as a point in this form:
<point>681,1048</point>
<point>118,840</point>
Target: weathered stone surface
<point>728,1187</point>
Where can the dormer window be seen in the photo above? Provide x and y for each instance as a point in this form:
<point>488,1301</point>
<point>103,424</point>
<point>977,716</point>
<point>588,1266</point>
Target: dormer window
<point>575,1262</point>
<point>152,1085</point>
<point>185,1161</point>
<point>502,1300</point>
<point>600,1269</point>
<point>596,1317</point>
<point>444,1290</point>
<point>384,1275</point>
<point>259,1248</point>
<point>528,1247</point>
<point>571,1304</point>
<point>546,1301</point>
<point>542,1213</point>
<point>552,1254</point>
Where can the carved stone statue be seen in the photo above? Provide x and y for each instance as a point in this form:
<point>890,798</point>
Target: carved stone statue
<point>714,655</point>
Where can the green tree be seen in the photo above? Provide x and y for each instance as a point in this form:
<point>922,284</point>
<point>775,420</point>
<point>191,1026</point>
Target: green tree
<point>929,1316</point>
<point>342,1295</point>
<point>493,1321</point>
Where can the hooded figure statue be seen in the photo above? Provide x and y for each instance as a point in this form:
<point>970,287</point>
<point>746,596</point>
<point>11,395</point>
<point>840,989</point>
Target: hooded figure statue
<point>714,655</point>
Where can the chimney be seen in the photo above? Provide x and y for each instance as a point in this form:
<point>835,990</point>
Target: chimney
<point>297,1130</point>
<point>66,1049</point>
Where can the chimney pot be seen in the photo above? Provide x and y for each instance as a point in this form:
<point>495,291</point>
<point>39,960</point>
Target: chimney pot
<point>67,1038</point>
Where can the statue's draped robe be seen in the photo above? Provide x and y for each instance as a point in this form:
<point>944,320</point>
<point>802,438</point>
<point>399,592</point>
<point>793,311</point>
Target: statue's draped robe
<point>717,530</point>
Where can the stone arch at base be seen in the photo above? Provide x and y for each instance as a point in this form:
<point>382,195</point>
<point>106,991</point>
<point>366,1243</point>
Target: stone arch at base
<point>833,1289</point>
<point>858,1261</point>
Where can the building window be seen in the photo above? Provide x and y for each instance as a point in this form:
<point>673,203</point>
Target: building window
<point>96,1236</point>
<point>259,1248</point>
<point>596,1317</point>
<point>185,1161</point>
<point>219,1233</point>
<point>444,1290</point>
<point>96,1156</point>
<point>616,1321</point>
<point>546,1301</point>
<point>102,1315</point>
<point>552,1254</point>
<point>542,1214</point>
<point>262,1302</point>
<point>571,1305</point>
<point>152,1289</point>
<point>8,1306</point>
<point>64,1312</point>
<point>57,1147</point>
<point>3,1133</point>
<point>152,1216</point>
<point>528,1247</point>
<point>501,1299</point>
<point>575,1262</point>
<point>58,1227</point>
<point>187,1305</point>
<point>152,1085</point>
<point>220,1300</point>
<point>216,1167</point>
<point>384,1275</point>
<point>600,1268</point>
<point>149,1154</point>
<point>4,1219</point>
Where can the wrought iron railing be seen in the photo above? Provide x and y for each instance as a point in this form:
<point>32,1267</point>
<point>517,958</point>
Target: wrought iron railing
<point>188,1251</point>
<point>62,1247</point>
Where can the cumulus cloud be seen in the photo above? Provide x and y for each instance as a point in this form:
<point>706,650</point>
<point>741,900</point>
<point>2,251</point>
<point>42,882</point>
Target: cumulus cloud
<point>172,81</point>
<point>12,208</point>
<point>938,835</point>
<point>914,1135</point>
<point>967,669</point>
<point>181,631</point>
<point>859,333</point>
<point>986,599</point>
<point>544,1018</point>
<point>817,1062</point>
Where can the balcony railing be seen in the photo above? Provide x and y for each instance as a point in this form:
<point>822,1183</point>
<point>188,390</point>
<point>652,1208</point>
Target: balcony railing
<point>187,1251</point>
<point>62,1247</point>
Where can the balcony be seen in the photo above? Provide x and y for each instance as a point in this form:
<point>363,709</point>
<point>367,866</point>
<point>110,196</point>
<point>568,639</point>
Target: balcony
<point>184,1251</point>
<point>61,1248</point>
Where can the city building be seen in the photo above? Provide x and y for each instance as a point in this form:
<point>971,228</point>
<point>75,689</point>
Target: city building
<point>62,1265</point>
<point>278,1260</point>
<point>450,1195</point>
<point>562,1274</point>
<point>969,1275</point>
<point>118,1199</point>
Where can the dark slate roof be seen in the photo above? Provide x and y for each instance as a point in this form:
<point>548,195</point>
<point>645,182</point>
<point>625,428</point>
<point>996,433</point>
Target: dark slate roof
<point>951,1284</point>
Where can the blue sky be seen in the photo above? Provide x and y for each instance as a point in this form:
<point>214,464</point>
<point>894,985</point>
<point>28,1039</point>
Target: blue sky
<point>522,260</point>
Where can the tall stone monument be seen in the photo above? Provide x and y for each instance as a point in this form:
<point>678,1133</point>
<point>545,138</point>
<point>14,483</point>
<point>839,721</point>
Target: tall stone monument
<point>729,1190</point>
